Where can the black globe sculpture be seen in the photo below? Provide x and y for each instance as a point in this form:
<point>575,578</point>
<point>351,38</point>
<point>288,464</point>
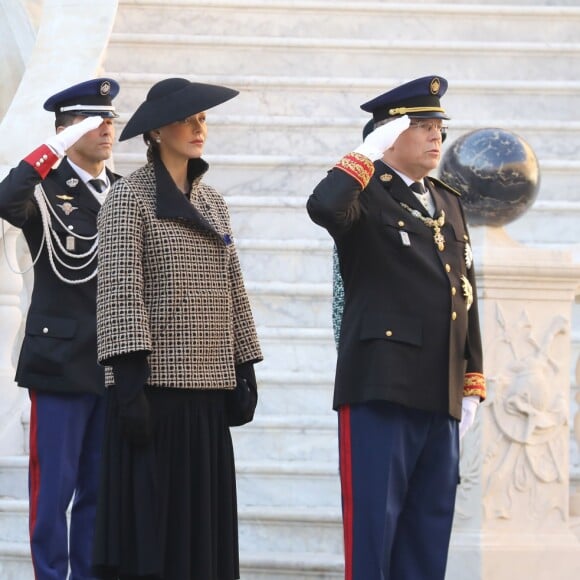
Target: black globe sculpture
<point>496,172</point>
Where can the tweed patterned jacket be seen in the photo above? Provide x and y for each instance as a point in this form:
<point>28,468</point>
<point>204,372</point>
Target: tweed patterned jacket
<point>170,282</point>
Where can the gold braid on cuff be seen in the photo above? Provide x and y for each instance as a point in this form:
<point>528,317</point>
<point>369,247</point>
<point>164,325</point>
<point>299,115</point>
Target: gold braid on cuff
<point>357,166</point>
<point>474,384</point>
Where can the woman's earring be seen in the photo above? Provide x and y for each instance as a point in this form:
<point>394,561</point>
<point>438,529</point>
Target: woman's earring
<point>158,140</point>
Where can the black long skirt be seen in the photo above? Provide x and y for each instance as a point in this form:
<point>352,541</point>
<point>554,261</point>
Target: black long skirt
<point>168,510</point>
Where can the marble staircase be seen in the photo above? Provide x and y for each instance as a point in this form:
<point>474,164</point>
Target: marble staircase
<point>303,67</point>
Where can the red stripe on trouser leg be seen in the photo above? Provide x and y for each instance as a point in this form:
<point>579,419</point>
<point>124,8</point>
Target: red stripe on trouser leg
<point>33,469</point>
<point>345,452</point>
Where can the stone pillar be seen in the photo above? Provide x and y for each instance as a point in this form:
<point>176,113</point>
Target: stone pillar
<point>512,513</point>
<point>50,66</point>
<point>13,400</point>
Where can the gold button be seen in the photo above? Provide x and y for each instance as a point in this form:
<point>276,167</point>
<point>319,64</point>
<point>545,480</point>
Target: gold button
<point>453,291</point>
<point>389,333</point>
<point>447,268</point>
<point>465,237</point>
<point>401,223</point>
<point>453,315</point>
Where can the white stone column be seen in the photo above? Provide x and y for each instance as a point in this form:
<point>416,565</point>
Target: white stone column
<point>512,516</point>
<point>13,400</point>
<point>69,48</point>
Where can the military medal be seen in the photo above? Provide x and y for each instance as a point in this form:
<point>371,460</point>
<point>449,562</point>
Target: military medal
<point>434,224</point>
<point>386,177</point>
<point>467,291</point>
<point>468,256</point>
<point>67,207</point>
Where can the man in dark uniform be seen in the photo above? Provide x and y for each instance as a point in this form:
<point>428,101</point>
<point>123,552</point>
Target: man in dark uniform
<point>409,373</point>
<point>56,208</point>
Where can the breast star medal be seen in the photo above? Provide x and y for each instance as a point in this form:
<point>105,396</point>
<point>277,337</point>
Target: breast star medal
<point>467,291</point>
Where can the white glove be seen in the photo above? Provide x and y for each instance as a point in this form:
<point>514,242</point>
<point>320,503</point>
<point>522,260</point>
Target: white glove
<point>468,408</point>
<point>60,142</point>
<point>377,142</point>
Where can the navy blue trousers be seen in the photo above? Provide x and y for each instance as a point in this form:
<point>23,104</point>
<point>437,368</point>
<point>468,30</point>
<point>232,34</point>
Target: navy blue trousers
<point>399,470</point>
<point>66,433</point>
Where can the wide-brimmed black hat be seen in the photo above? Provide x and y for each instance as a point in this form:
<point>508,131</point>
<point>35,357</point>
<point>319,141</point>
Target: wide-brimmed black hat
<point>174,100</point>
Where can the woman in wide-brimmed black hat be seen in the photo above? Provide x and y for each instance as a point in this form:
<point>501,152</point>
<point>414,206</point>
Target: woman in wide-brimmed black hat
<point>176,334</point>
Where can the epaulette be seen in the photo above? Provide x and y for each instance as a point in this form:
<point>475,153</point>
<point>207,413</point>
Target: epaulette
<point>445,186</point>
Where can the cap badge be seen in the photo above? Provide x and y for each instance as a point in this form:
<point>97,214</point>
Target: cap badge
<point>386,177</point>
<point>67,207</point>
<point>467,291</point>
<point>105,88</point>
<point>72,182</point>
<point>435,86</point>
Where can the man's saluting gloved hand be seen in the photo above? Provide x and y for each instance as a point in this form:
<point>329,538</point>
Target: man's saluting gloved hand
<point>377,142</point>
<point>60,142</point>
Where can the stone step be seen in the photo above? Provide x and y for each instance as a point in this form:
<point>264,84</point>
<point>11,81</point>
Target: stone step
<point>288,483</point>
<point>315,18</point>
<point>311,136</point>
<point>306,438</point>
<point>14,521</point>
<point>287,175</point>
<point>14,477</point>
<point>257,220</point>
<point>286,304</point>
<point>293,566</point>
<point>235,55</point>
<point>15,563</point>
<point>293,393</point>
<point>262,528</point>
<point>333,100</point>
<point>286,260</point>
<point>290,529</point>
<point>295,350</point>
<point>548,223</point>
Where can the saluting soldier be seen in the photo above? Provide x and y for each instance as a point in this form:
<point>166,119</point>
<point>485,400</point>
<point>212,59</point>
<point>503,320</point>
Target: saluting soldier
<point>56,208</point>
<point>409,375</point>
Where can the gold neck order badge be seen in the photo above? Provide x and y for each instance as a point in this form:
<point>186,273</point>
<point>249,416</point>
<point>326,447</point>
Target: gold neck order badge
<point>434,224</point>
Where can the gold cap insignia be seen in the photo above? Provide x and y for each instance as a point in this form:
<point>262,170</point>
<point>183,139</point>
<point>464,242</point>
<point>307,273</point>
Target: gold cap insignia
<point>386,177</point>
<point>435,86</point>
<point>72,182</point>
<point>67,207</point>
<point>64,197</point>
<point>105,88</point>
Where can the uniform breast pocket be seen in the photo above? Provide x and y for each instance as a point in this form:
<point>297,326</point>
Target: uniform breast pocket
<point>48,343</point>
<point>401,229</point>
<point>394,342</point>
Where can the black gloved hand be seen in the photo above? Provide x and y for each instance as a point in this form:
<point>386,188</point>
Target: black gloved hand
<point>131,372</point>
<point>135,420</point>
<point>241,402</point>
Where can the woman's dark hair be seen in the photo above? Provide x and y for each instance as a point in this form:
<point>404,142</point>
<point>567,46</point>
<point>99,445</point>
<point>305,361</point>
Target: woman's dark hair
<point>152,146</point>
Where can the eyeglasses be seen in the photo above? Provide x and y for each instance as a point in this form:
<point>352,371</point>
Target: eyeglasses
<point>430,126</point>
